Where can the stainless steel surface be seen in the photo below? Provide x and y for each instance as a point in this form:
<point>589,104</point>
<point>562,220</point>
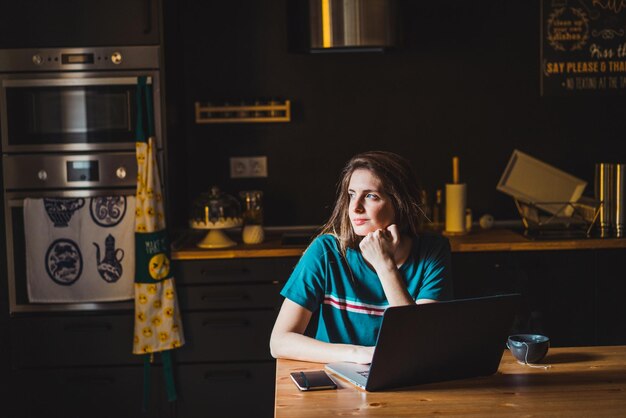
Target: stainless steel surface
<point>60,59</point>
<point>618,201</point>
<point>604,185</point>
<point>72,80</point>
<point>50,171</point>
<point>352,24</point>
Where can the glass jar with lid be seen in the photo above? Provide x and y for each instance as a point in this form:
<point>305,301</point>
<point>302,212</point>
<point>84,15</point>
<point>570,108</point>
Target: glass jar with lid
<point>252,216</point>
<point>215,211</point>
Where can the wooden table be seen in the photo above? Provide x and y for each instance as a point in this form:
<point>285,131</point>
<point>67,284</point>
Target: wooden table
<point>582,382</point>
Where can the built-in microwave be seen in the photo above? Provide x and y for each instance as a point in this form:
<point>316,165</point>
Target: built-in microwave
<point>74,99</point>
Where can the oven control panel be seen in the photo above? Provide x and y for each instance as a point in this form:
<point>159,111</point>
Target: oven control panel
<point>66,172</point>
<point>61,59</point>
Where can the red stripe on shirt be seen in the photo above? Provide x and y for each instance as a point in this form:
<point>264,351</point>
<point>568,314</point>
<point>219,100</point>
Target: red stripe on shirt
<point>352,307</point>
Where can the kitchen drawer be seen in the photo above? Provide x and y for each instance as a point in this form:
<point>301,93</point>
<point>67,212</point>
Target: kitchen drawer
<point>226,390</point>
<point>227,336</point>
<point>68,341</point>
<point>84,392</point>
<point>244,296</point>
<point>238,270</point>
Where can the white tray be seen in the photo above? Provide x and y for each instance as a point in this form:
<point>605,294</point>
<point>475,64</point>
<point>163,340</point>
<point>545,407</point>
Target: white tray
<point>530,180</point>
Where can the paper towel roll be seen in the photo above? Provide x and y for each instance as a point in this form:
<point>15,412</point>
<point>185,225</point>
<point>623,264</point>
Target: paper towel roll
<point>455,208</point>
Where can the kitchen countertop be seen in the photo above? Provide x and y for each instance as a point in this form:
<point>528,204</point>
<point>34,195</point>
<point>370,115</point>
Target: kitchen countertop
<point>480,240</point>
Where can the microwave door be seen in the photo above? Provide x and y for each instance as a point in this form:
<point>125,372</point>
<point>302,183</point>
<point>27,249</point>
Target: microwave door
<point>69,114</point>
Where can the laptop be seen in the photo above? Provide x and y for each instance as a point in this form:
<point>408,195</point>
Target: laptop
<point>436,342</point>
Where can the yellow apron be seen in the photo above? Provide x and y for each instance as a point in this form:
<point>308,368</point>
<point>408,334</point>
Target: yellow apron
<point>158,325</point>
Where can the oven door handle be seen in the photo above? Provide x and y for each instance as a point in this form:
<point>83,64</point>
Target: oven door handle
<point>70,82</point>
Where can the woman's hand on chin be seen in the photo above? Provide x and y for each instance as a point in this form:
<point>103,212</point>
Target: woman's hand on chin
<point>379,247</point>
<point>394,233</point>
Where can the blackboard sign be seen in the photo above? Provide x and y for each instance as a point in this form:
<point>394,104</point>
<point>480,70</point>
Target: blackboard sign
<point>583,47</point>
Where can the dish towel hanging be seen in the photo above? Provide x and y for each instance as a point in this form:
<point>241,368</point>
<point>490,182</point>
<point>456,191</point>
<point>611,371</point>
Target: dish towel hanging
<point>80,249</point>
<point>158,325</point>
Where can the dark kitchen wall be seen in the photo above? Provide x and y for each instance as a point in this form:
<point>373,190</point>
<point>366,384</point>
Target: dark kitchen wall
<point>464,82</point>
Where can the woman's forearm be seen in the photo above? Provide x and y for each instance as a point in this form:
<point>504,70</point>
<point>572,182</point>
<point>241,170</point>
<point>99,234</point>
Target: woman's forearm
<point>394,287</point>
<point>300,347</point>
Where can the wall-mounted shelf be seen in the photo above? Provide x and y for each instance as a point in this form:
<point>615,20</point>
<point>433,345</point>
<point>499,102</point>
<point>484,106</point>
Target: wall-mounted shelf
<point>273,111</point>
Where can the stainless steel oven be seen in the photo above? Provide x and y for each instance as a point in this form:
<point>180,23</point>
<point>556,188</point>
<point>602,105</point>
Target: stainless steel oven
<point>75,99</point>
<point>56,175</point>
<point>67,122</point>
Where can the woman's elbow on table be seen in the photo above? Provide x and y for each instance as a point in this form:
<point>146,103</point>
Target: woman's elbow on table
<point>278,343</point>
<point>292,319</point>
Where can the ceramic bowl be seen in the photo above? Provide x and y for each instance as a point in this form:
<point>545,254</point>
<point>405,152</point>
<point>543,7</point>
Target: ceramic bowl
<point>528,348</point>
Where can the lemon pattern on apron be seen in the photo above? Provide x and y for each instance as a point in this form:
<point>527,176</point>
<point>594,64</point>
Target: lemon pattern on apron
<point>157,318</point>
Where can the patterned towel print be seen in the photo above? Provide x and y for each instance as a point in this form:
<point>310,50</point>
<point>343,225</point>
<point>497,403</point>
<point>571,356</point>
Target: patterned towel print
<point>157,318</point>
<point>80,249</point>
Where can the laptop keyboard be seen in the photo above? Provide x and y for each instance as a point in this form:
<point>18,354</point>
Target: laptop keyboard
<point>364,373</point>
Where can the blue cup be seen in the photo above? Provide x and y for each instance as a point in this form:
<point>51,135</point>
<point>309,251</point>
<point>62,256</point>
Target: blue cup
<point>528,348</point>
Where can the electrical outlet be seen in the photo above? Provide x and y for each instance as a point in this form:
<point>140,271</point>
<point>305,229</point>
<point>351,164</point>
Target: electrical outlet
<point>246,167</point>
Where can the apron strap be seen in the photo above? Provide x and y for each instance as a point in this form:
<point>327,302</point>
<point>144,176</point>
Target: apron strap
<point>140,134</point>
<point>146,382</point>
<point>149,110</point>
<point>168,373</point>
<point>145,110</point>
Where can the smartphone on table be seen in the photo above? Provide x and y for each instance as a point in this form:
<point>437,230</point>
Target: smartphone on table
<point>313,380</point>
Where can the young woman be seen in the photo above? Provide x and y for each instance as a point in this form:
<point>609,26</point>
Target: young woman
<point>367,257</point>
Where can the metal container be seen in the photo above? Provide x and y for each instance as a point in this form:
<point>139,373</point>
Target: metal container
<point>618,200</point>
<point>604,192</point>
<point>353,24</point>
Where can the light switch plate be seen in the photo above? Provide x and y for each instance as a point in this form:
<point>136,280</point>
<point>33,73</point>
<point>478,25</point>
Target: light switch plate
<point>248,167</point>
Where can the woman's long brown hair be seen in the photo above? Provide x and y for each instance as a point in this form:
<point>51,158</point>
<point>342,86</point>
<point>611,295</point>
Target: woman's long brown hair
<point>398,181</point>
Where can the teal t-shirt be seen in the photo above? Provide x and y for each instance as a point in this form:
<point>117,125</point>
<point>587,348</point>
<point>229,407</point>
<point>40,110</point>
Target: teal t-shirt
<point>348,292</point>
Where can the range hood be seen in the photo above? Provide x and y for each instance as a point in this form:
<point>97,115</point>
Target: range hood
<point>351,25</point>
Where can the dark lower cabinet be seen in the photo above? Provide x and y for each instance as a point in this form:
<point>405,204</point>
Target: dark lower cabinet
<point>574,297</point>
<point>483,274</point>
<point>226,390</point>
<point>72,340</point>
<point>611,297</point>
<point>94,392</point>
<point>228,307</point>
<point>80,364</point>
<point>227,336</point>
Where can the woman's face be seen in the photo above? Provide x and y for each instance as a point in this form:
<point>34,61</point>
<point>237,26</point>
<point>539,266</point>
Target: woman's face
<point>370,208</point>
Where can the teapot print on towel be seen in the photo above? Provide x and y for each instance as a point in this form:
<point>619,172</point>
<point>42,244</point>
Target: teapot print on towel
<point>110,267</point>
